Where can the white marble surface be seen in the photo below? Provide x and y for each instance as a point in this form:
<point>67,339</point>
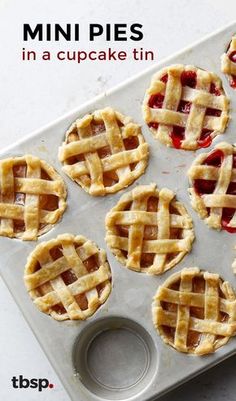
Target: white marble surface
<point>33,94</point>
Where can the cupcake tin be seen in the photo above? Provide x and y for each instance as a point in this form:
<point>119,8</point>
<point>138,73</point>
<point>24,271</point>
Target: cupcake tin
<point>117,354</point>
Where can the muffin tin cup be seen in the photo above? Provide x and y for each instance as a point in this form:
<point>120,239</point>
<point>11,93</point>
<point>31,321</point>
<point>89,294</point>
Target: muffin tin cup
<point>117,354</point>
<point>115,358</point>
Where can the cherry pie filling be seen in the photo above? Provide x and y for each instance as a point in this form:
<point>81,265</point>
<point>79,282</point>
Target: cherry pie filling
<point>203,187</point>
<point>46,202</point>
<point>110,178</point>
<point>150,233</point>
<point>177,134</point>
<point>69,277</point>
<point>232,57</point>
<point>193,337</point>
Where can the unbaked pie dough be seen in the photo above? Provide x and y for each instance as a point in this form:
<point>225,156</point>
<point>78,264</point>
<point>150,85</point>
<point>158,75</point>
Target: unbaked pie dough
<point>148,230</point>
<point>104,152</point>
<point>195,311</point>
<point>68,277</point>
<point>185,107</point>
<point>32,197</point>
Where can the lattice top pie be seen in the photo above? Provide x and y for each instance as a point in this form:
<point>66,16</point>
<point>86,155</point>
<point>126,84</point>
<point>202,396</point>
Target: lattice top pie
<point>213,187</point>
<point>32,197</point>
<point>228,62</point>
<point>185,107</point>
<point>195,311</point>
<point>68,277</point>
<point>104,152</point>
<point>148,230</point>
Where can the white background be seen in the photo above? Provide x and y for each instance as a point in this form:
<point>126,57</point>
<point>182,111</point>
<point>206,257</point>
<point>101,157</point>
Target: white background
<point>34,93</point>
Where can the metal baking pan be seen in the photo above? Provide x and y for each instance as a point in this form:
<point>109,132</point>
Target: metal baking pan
<point>117,354</point>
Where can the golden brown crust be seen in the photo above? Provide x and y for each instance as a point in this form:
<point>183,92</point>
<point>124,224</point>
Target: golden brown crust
<point>84,162</point>
<point>198,304</point>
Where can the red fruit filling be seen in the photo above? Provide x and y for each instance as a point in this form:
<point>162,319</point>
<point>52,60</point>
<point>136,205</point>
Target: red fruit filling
<point>213,112</point>
<point>233,81</point>
<point>215,158</point>
<point>232,56</point>
<point>164,78</point>
<point>153,125</point>
<point>205,139</point>
<point>177,136</point>
<point>189,78</point>
<point>156,101</point>
<point>184,107</point>
<point>227,215</point>
<point>203,187</point>
<point>214,90</point>
<point>232,188</point>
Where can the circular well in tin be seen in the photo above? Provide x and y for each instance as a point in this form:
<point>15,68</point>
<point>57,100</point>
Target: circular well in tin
<point>115,358</point>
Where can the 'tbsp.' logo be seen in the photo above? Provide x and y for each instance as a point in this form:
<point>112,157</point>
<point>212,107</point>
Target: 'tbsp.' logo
<point>22,382</point>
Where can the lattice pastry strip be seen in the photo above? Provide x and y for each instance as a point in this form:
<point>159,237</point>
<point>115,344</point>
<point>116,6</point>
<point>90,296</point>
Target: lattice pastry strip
<point>68,277</point>
<point>148,230</point>
<point>185,107</point>
<point>32,197</point>
<point>213,187</point>
<point>228,62</point>
<point>195,311</point>
<point>104,152</point>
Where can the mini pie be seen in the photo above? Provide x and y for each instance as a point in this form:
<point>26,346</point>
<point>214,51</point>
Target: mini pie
<point>148,230</point>
<point>185,107</point>
<point>68,277</point>
<point>195,311</point>
<point>213,187</point>
<point>32,197</point>
<point>104,152</point>
<point>228,62</point>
